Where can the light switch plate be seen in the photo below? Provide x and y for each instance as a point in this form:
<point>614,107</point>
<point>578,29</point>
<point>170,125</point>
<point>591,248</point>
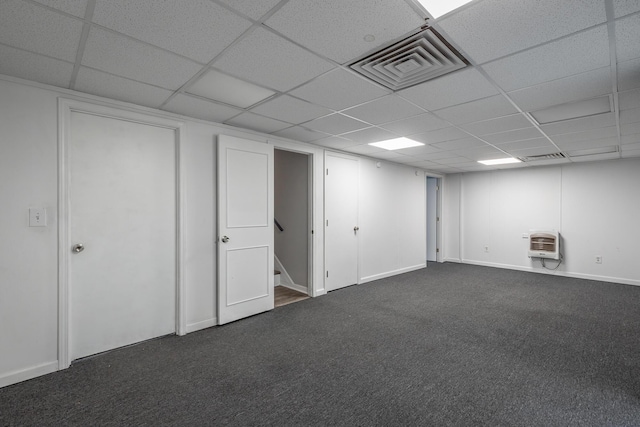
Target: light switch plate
<point>37,217</point>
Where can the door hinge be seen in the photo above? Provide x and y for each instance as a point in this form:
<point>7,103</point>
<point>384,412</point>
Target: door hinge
<point>327,273</point>
<point>327,223</point>
<point>437,218</point>
<point>437,250</point>
<point>311,231</point>
<point>437,187</point>
<point>327,171</point>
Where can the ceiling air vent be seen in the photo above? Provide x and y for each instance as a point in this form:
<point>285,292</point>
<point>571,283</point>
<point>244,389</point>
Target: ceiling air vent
<point>542,157</point>
<point>414,60</point>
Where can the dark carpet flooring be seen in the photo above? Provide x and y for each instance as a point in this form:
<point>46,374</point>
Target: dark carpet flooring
<point>454,344</point>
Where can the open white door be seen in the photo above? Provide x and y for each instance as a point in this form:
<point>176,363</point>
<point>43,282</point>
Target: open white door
<point>245,228</point>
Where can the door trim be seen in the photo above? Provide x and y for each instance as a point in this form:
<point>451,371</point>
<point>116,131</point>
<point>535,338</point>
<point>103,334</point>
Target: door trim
<point>65,108</point>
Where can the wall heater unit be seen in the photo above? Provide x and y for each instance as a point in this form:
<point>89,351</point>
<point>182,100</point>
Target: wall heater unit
<point>544,244</point>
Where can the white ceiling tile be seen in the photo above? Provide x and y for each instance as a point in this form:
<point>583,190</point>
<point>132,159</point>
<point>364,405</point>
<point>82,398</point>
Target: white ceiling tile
<point>459,144</point>
<point>110,86</point>
<point>580,124</point>
<point>339,89</point>
<point>630,129</point>
<point>627,33</point>
<point>122,56</point>
<point>269,60</point>
<point>364,149</point>
<point>630,139</point>
<point>252,8</point>
<point>596,150</point>
<point>336,29</point>
<point>291,110</point>
<point>625,7</point>
<point>30,27</point>
<point>417,124</point>
<point>72,7</point>
<point>526,144</point>
<point>336,124</point>
<point>200,109</point>
<point>197,29</point>
<point>257,123</point>
<point>630,153</point>
<point>299,133</point>
<point>387,155</point>
<point>372,134</point>
<point>630,116</point>
<point>573,88</point>
<point>481,153</point>
<point>334,142</point>
<point>596,157</point>
<point>513,135</point>
<point>588,144</point>
<point>453,160</point>
<point>440,135</point>
<point>30,66</point>
<point>629,100</point>
<point>628,74</point>
<point>455,88</point>
<point>501,124</point>
<point>582,52</point>
<point>604,132</point>
<point>223,88</point>
<point>422,152</point>
<point>493,28</point>
<point>384,110</point>
<point>482,109</point>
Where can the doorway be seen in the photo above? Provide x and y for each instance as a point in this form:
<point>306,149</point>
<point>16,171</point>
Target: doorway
<point>293,229</point>
<point>433,218</point>
<point>119,253</point>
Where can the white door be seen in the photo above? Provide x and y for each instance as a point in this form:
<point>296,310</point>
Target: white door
<point>341,221</point>
<point>245,228</point>
<point>122,229</point>
<point>432,218</point>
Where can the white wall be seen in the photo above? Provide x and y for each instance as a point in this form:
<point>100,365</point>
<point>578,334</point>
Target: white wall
<point>595,206</point>
<point>29,256</point>
<point>392,219</point>
<point>291,188</point>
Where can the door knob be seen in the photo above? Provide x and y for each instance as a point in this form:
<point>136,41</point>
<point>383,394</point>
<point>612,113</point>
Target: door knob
<point>78,247</point>
<point>225,239</point>
<point>356,228</point>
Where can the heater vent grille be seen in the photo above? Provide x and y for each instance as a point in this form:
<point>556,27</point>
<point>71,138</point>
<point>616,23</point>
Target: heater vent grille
<point>414,60</point>
<point>542,157</point>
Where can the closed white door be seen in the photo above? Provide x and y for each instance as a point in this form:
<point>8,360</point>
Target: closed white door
<point>341,221</point>
<point>432,218</point>
<point>122,229</point>
<point>245,228</point>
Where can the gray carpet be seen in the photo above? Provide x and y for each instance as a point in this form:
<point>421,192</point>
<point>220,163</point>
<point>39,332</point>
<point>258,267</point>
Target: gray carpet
<point>449,345</point>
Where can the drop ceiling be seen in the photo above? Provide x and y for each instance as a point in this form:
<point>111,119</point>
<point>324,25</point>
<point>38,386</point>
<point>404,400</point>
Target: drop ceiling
<point>290,64</point>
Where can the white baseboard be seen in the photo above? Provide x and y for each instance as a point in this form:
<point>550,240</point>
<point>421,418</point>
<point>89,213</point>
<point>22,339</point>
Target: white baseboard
<point>28,373</point>
<point>391,273</point>
<point>202,325</point>
<point>619,280</point>
<point>295,287</point>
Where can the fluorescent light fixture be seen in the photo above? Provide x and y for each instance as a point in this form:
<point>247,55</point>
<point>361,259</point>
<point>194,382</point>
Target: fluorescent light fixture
<point>437,8</point>
<point>396,144</point>
<point>221,87</point>
<point>499,161</point>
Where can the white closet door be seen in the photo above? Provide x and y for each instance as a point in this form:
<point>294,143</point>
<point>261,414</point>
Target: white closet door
<point>341,221</point>
<point>122,228</point>
<point>245,228</point>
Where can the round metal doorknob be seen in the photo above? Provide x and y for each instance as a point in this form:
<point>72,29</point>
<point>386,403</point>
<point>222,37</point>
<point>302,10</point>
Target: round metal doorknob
<point>77,248</point>
<point>225,239</point>
<point>356,228</point>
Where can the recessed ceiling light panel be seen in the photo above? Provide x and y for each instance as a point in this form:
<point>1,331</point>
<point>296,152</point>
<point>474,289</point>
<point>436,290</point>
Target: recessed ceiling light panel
<point>396,144</point>
<point>229,90</point>
<point>494,162</point>
<point>437,8</point>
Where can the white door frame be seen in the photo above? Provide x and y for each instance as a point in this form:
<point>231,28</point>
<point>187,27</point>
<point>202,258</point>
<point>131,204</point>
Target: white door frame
<point>316,211</point>
<point>65,108</point>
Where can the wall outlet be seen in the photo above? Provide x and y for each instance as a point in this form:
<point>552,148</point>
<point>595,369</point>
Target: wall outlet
<point>486,248</point>
<point>598,259</point>
<point>525,235</point>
